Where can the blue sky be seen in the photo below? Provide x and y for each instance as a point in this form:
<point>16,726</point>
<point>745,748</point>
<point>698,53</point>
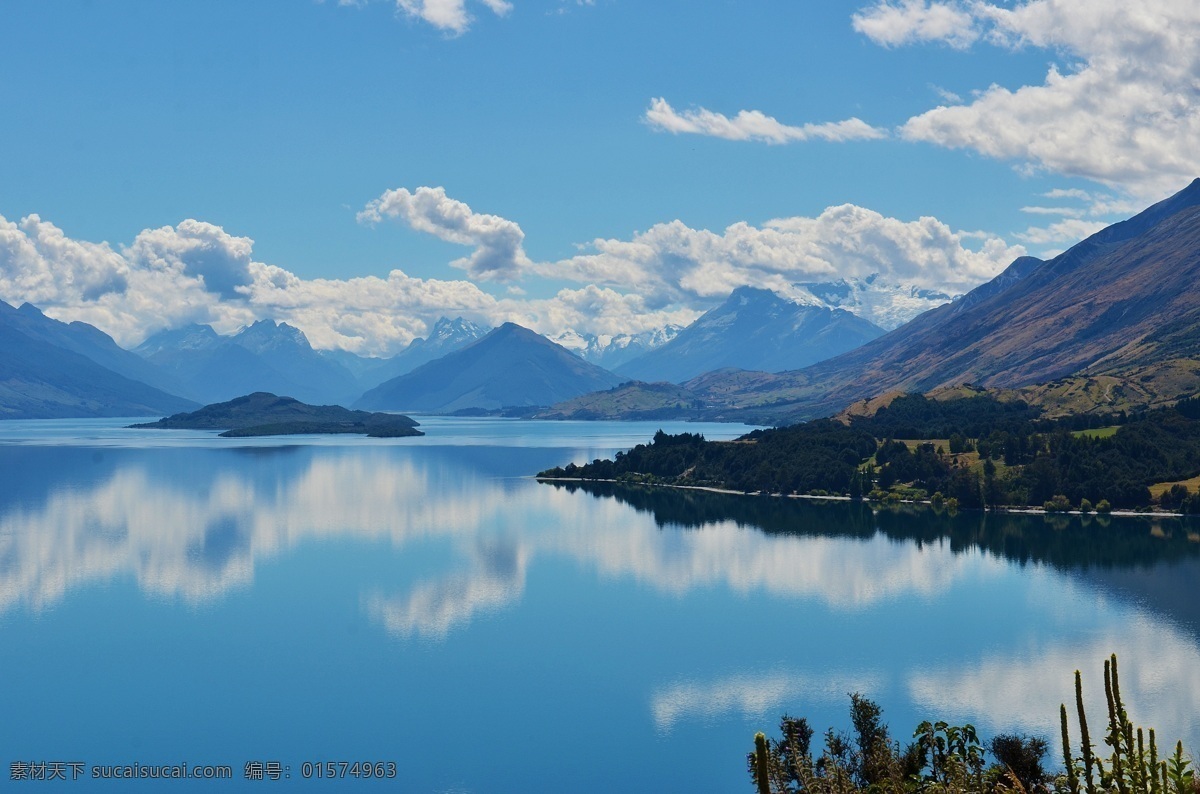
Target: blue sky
<point>217,161</point>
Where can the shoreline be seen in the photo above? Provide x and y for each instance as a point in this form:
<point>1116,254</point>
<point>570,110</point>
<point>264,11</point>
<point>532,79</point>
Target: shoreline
<point>831,498</point>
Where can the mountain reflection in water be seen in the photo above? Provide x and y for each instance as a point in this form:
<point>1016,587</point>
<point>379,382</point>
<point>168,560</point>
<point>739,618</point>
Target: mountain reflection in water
<point>702,616</point>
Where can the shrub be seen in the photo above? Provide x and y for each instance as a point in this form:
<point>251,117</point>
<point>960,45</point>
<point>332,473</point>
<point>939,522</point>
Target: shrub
<point>1058,504</point>
<point>950,759</point>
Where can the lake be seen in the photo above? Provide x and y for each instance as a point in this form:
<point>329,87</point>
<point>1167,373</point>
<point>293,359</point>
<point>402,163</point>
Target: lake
<point>169,597</point>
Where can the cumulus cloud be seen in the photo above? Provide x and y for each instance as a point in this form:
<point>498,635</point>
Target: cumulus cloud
<point>167,277</point>
<point>598,310</point>
<point>1122,112</point>
<point>201,250</point>
<point>893,24</point>
<point>498,242</point>
<point>197,272</point>
<point>752,125</point>
<point>366,315</point>
<point>672,263</point>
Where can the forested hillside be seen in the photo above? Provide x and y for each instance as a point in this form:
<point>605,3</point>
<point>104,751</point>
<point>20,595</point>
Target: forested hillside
<point>977,451</point>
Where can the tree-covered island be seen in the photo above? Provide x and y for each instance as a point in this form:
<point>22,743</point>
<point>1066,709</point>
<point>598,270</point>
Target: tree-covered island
<point>265,414</point>
<point>968,449</point>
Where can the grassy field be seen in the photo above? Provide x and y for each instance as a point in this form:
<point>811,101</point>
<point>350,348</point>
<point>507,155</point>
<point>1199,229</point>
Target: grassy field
<point>1098,432</point>
<point>1159,488</point>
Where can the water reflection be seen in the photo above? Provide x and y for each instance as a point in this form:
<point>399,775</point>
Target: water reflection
<point>1144,569</point>
<point>872,596</point>
<point>1160,680</point>
<point>1065,542</point>
<point>434,607</point>
<point>928,548</point>
<point>758,695</point>
<point>194,523</point>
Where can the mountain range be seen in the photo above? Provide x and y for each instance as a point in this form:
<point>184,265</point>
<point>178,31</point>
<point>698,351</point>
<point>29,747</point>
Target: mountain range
<point>611,352</point>
<point>1111,324</point>
<point>266,356</point>
<point>47,371</point>
<point>753,329</point>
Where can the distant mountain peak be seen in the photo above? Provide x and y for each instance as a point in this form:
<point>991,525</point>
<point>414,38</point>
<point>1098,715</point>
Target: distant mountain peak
<point>511,366</point>
<point>885,304</point>
<point>446,329</point>
<point>747,292</point>
<point>610,351</point>
<point>754,328</point>
<point>1113,305</point>
<point>268,334</point>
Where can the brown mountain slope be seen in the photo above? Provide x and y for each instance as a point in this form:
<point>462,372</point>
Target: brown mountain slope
<point>1125,296</point>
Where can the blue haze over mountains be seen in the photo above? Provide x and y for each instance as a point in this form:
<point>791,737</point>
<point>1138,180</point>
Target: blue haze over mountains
<point>180,368</point>
<point>755,329</point>
<point>1125,294</point>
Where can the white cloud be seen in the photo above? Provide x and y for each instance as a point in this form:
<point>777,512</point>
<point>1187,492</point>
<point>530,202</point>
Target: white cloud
<point>1069,212</point>
<point>498,242</point>
<point>196,272</point>
<point>752,125</point>
<point>200,250</point>
<point>672,263</point>
<point>1123,112</point>
<point>669,275</point>
<point>893,24</point>
<point>946,94</point>
<point>367,315</point>
<point>1096,204</point>
<point>447,15</point>
<point>1058,193</point>
<point>1070,231</point>
<point>168,276</point>
<point>596,310</point>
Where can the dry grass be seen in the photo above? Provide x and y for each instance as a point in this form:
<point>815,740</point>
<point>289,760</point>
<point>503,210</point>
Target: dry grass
<point>1159,488</point>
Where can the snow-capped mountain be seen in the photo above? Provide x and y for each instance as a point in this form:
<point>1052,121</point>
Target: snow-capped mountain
<point>886,305</point>
<point>753,329</point>
<point>446,336</point>
<point>612,351</point>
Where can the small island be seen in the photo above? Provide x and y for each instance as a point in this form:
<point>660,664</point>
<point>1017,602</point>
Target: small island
<point>265,414</point>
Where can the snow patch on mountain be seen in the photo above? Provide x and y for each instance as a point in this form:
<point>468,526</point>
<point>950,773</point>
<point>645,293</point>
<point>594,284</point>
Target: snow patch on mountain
<point>608,351</point>
<point>886,304</point>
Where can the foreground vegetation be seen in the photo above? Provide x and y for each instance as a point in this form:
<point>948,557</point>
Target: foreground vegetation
<point>951,759</point>
<point>969,452</point>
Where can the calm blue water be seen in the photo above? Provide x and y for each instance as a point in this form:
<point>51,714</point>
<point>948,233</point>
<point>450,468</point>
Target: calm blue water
<point>170,597</point>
